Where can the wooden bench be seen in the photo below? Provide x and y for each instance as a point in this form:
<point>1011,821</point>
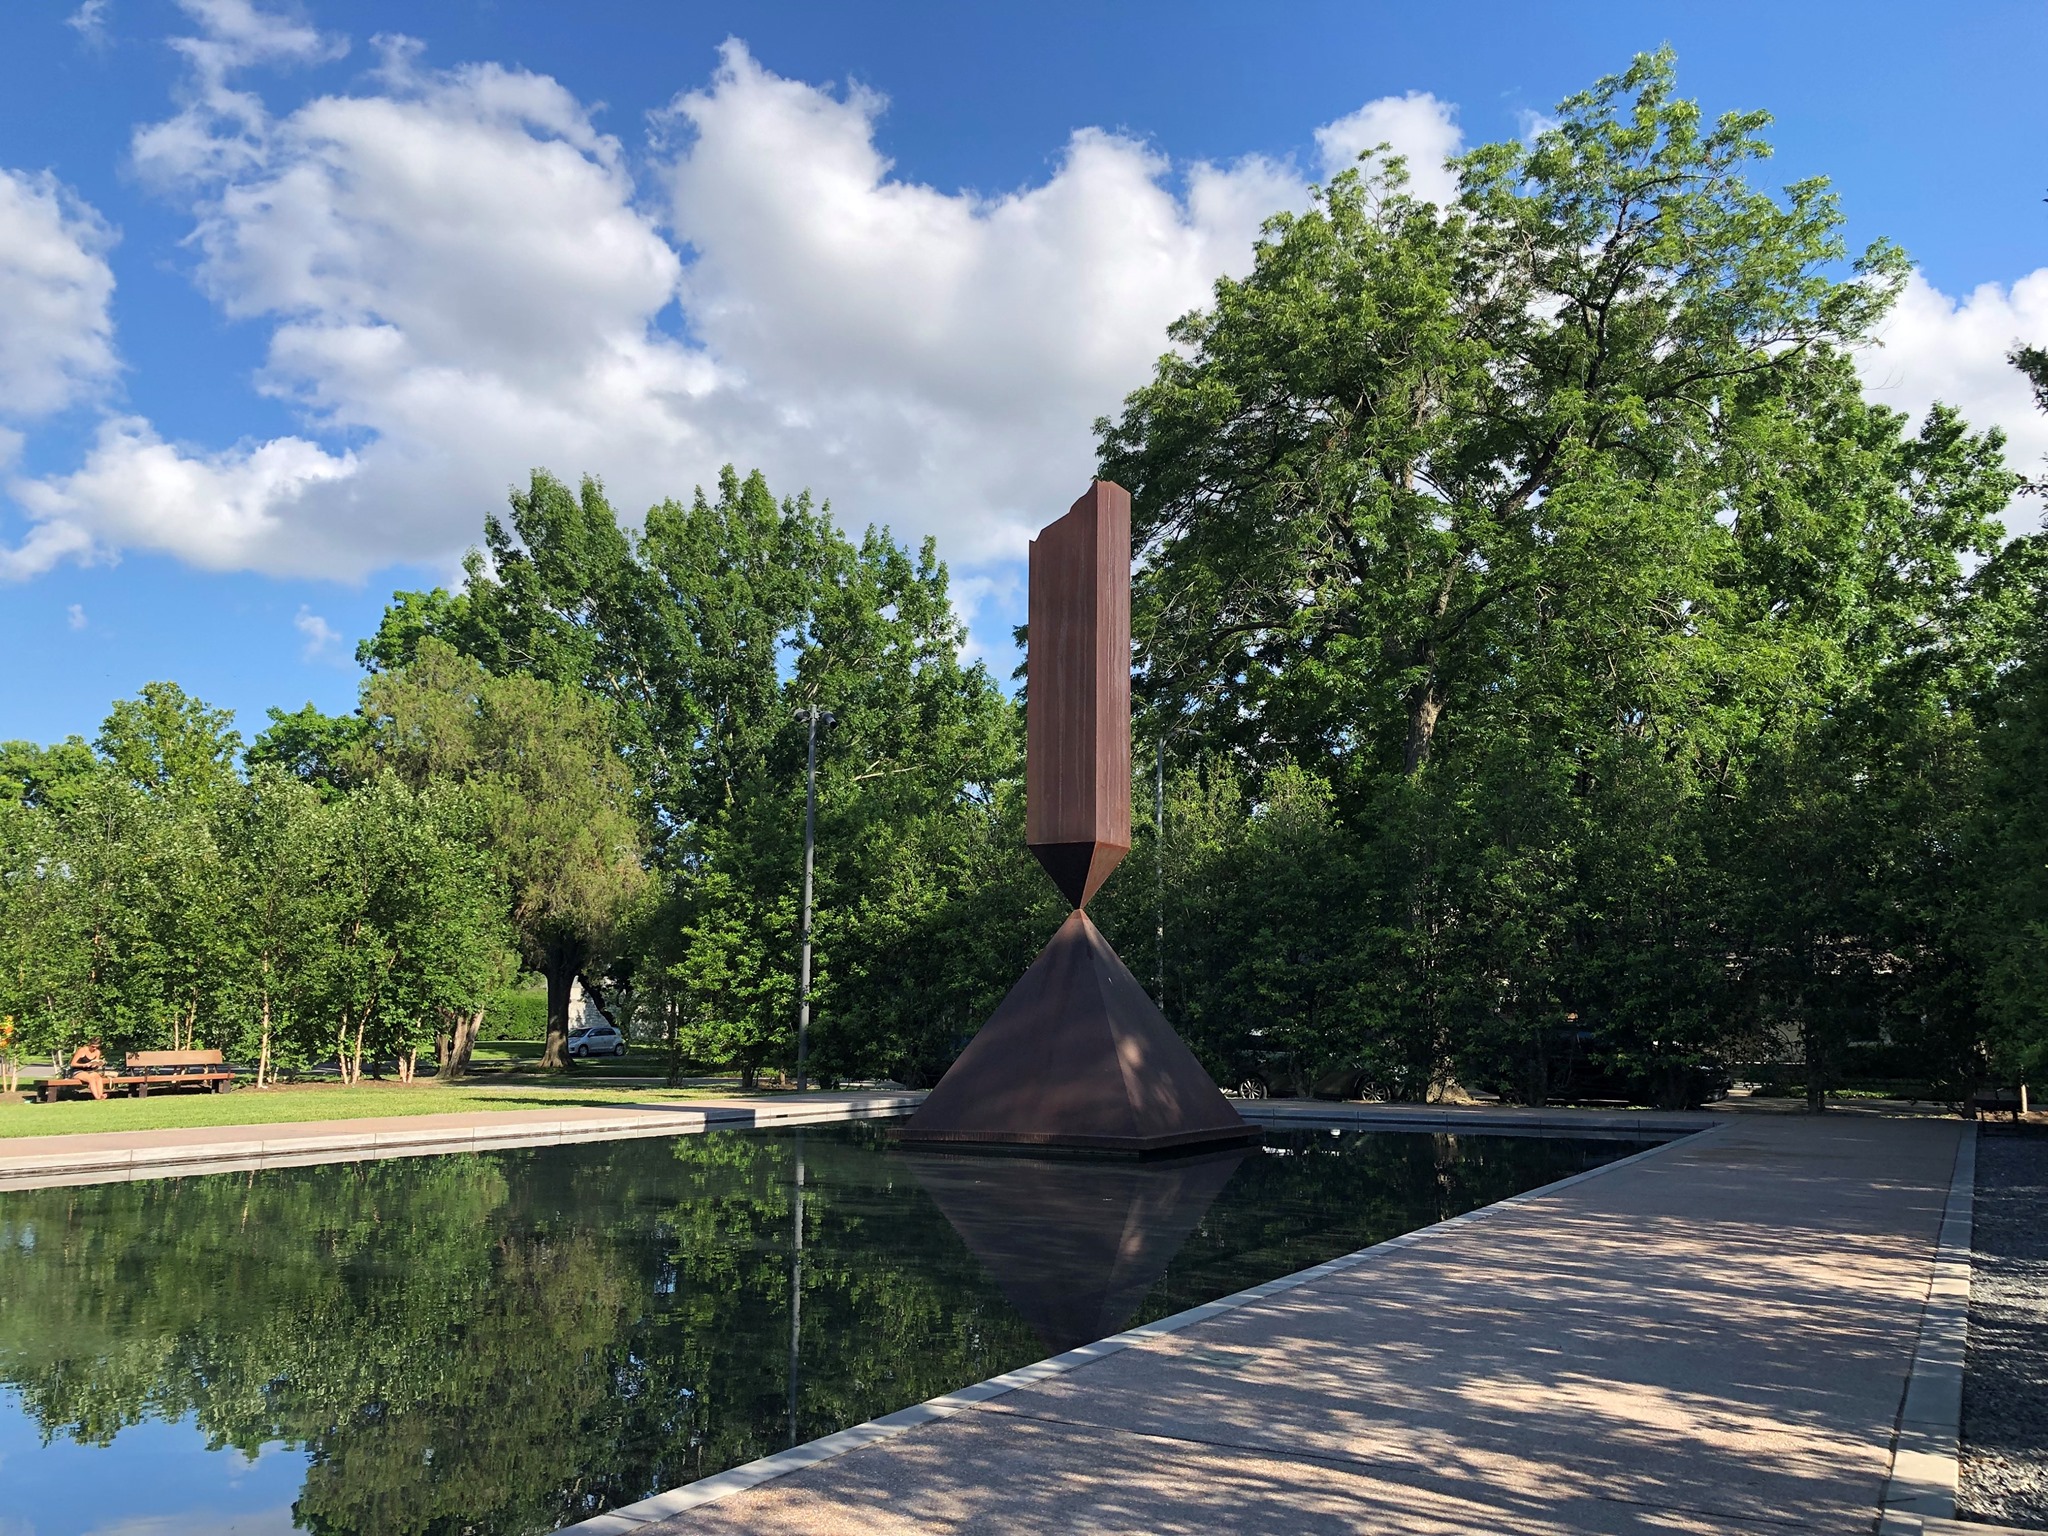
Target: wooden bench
<point>142,1071</point>
<point>1992,1100</point>
<point>176,1069</point>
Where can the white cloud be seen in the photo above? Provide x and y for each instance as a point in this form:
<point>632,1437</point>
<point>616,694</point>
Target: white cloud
<point>461,282</point>
<point>89,21</point>
<point>1934,347</point>
<point>220,130</point>
<point>1418,127</point>
<point>461,278</point>
<point>220,511</point>
<point>75,616</point>
<point>933,359</point>
<point>321,637</point>
<point>56,329</point>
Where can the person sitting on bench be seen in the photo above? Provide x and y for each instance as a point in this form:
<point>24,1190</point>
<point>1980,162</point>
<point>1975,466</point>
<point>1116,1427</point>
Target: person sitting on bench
<point>89,1067</point>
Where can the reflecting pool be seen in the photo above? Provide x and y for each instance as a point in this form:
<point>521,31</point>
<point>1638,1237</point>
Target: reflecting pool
<point>511,1341</point>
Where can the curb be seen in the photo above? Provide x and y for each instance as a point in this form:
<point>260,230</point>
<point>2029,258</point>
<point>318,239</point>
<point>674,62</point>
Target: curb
<point>1920,1490</point>
<point>1595,1123</point>
<point>117,1165</point>
<point>635,1516</point>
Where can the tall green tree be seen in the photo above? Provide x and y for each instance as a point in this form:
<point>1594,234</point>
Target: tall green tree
<point>163,741</point>
<point>537,758</point>
<point>1551,529</point>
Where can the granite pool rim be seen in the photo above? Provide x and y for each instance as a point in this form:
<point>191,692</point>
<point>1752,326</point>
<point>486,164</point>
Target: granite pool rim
<point>115,1157</point>
<point>155,1155</point>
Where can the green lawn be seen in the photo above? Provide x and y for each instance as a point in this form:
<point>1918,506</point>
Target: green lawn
<point>322,1101</point>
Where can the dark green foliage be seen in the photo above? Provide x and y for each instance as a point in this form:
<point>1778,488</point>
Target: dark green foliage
<point>1551,533</point>
<point>516,1016</point>
<point>308,745</point>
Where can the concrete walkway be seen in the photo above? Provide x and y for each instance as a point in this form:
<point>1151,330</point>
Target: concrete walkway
<point>110,1156</point>
<point>1716,1337</point>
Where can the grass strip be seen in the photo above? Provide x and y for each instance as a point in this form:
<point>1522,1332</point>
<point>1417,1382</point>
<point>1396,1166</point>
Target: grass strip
<point>298,1102</point>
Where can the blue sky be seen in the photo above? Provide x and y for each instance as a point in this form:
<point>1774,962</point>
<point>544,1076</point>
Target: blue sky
<point>289,294</point>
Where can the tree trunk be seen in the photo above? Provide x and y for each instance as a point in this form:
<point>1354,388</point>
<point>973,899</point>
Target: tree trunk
<point>1816,1061</point>
<point>560,961</point>
<point>460,1042</point>
<point>263,1046</point>
<point>1425,704</point>
<point>674,1039</point>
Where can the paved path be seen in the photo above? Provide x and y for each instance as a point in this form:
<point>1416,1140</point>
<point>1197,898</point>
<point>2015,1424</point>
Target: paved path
<point>1714,1338</point>
<point>108,1156</point>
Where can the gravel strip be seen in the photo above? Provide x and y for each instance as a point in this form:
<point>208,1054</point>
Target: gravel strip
<point>2005,1379</point>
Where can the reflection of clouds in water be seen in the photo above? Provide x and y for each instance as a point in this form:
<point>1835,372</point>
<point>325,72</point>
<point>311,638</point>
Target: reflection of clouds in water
<point>203,1522</point>
<point>155,1480</point>
<point>268,1451</point>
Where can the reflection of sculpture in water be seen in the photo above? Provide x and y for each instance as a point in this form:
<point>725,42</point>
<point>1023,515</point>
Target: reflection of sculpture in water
<point>1074,1245</point>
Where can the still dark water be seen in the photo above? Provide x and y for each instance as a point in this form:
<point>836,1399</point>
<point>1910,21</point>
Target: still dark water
<point>511,1341</point>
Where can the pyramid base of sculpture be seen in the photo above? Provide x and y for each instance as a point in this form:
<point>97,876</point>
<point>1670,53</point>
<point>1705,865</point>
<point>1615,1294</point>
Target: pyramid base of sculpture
<point>1077,1056</point>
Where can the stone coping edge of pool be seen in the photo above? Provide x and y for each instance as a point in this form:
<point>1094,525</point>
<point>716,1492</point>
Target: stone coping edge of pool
<point>303,1143</point>
<point>1920,1492</point>
<point>294,1146</point>
<point>1488,1119</point>
<point>631,1517</point>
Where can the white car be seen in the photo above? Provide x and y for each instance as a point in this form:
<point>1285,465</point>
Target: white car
<point>597,1040</point>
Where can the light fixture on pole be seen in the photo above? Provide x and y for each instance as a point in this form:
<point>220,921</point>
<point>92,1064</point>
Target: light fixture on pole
<point>826,719</point>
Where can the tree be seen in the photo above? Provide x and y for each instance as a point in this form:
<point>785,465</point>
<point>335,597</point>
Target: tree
<point>45,777</point>
<point>308,745</point>
<point>276,924</point>
<point>697,644</point>
<point>165,740</point>
<point>555,799</point>
<point>1550,528</point>
<point>1413,437</point>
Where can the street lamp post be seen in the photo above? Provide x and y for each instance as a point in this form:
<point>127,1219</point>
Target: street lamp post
<point>817,717</point>
<point>1159,874</point>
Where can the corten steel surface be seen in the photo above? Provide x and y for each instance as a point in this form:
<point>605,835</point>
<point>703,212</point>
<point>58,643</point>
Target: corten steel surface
<point>1077,1056</point>
<point>1074,1245</point>
<point>1077,775</point>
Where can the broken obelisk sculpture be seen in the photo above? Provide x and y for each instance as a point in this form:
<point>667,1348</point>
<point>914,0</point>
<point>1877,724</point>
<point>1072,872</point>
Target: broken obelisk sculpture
<point>1077,1055</point>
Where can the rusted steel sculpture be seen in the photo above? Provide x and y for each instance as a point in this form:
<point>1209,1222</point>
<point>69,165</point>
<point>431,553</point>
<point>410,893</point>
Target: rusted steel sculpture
<point>1077,1055</point>
<point>1077,765</point>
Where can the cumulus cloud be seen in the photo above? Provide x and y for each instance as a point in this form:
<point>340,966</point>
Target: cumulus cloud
<point>56,289</point>
<point>220,511</point>
<point>1417,126</point>
<point>1934,347</point>
<point>220,130</point>
<point>74,616</point>
<point>933,358</point>
<point>461,277</point>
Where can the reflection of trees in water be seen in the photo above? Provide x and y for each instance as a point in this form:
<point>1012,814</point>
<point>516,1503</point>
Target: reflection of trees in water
<point>488,1343</point>
<point>503,1342</point>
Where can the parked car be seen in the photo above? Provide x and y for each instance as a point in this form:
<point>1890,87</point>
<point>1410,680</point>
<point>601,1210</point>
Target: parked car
<point>597,1040</point>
